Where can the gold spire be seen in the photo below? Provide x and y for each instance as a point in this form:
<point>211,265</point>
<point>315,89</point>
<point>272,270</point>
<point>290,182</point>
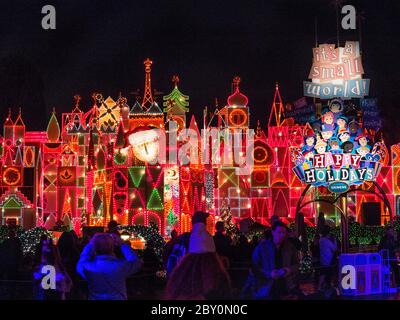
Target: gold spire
<point>148,96</point>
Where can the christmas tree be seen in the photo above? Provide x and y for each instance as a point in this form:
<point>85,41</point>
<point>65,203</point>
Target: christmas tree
<point>176,102</point>
<point>171,218</point>
<point>226,216</point>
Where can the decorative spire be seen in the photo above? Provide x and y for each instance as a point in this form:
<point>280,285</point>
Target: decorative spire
<point>236,81</point>
<point>101,158</point>
<point>175,80</point>
<point>120,139</point>
<point>258,129</point>
<point>9,121</point>
<point>176,103</point>
<point>19,121</point>
<point>148,96</point>
<point>237,99</point>
<point>18,158</point>
<point>275,117</point>
<point>53,128</point>
<point>77,99</point>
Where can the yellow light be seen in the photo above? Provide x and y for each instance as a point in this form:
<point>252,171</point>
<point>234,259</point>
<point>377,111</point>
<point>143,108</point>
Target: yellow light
<point>125,236</point>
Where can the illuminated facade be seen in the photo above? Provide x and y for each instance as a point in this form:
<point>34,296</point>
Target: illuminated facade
<point>96,166</point>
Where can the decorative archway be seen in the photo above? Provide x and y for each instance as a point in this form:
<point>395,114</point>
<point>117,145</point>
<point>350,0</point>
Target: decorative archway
<point>344,228</point>
<point>343,217</point>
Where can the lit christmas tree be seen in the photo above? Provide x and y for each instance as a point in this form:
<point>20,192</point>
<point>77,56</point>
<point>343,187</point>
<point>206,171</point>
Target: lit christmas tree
<point>171,218</point>
<point>226,216</point>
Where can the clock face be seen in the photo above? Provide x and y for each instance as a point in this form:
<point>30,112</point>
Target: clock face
<point>145,144</point>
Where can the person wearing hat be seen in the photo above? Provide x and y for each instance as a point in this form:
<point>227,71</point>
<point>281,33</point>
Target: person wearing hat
<point>182,242</point>
<point>320,146</point>
<point>200,240</point>
<point>200,274</point>
<point>343,135</point>
<point>363,148</point>
<point>309,139</point>
<point>327,132</point>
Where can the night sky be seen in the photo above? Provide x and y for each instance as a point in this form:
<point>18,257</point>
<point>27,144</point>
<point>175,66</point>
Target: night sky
<point>99,46</point>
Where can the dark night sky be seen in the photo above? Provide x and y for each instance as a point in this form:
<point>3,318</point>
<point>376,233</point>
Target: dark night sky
<point>101,45</point>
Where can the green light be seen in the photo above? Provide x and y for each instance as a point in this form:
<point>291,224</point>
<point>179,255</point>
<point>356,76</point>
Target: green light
<point>155,202</point>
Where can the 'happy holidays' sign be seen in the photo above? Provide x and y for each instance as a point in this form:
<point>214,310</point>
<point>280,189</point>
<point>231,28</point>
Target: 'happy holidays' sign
<point>338,153</point>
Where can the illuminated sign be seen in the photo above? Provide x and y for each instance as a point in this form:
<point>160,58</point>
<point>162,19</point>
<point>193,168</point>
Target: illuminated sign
<point>337,171</point>
<point>337,72</point>
<point>338,154</point>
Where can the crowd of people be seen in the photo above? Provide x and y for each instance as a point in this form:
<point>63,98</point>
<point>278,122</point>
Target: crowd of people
<point>198,265</point>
